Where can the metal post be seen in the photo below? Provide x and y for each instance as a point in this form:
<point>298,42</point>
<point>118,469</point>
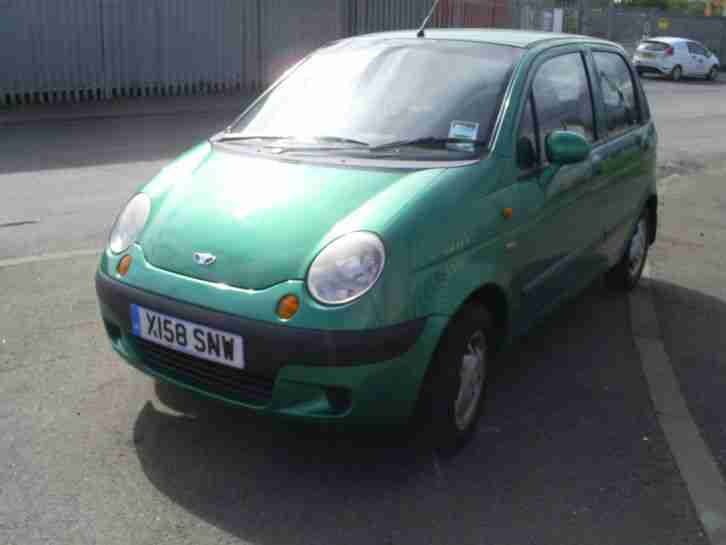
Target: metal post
<point>611,19</point>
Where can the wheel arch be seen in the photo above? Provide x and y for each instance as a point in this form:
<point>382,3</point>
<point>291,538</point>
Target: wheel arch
<point>494,298</point>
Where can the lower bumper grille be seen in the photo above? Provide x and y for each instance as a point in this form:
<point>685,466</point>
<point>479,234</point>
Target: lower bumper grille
<point>206,375</point>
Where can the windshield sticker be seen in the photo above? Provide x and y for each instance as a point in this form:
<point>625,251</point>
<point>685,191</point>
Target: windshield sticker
<point>464,130</point>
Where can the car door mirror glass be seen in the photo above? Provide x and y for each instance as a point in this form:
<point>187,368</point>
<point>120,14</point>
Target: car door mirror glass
<point>566,147</point>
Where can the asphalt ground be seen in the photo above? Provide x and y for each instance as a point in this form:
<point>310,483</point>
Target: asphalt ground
<point>569,451</point>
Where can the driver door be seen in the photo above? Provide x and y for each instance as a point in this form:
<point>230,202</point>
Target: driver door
<point>555,250</point>
<point>698,59</point>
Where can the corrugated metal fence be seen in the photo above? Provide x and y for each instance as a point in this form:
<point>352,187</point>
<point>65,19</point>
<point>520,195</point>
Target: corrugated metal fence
<point>77,50</point>
<point>472,13</point>
<point>377,15</point>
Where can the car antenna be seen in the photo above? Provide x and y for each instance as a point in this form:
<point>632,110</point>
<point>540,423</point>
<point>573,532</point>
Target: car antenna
<point>421,31</point>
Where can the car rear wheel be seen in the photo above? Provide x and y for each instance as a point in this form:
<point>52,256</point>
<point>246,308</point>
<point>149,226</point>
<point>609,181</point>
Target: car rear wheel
<point>676,73</point>
<point>713,73</point>
<point>455,384</point>
<point>627,273</point>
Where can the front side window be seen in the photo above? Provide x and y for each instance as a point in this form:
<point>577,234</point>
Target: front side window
<point>618,92</point>
<point>378,91</point>
<point>562,97</point>
<point>696,49</point>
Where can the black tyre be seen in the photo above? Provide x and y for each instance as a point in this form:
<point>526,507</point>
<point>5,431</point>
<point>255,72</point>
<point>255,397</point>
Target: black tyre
<point>456,381</point>
<point>627,273</point>
<point>713,73</point>
<point>676,73</point>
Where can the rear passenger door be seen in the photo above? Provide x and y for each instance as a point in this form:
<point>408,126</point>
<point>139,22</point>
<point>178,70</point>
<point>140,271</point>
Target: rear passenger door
<point>624,159</point>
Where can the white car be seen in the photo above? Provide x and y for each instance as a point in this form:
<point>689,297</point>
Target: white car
<point>675,57</point>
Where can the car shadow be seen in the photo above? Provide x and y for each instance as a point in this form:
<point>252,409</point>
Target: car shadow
<point>568,451</point>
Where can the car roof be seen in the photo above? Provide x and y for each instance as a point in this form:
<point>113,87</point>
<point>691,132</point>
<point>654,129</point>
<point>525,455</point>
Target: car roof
<point>515,38</point>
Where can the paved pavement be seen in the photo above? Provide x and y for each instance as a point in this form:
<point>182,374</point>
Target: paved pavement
<point>570,450</point>
<point>688,268</point>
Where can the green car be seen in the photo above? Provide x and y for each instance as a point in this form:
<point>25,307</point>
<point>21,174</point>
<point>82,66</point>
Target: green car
<point>359,244</point>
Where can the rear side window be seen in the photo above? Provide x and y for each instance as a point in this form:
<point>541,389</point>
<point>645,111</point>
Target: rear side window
<point>652,46</point>
<point>562,97</point>
<point>618,92</point>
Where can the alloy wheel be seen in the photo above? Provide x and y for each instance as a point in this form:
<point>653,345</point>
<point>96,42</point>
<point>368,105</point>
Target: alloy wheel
<point>637,248</point>
<point>472,375</point>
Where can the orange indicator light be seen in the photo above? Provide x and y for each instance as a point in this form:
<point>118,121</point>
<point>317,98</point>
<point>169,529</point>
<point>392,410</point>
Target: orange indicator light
<point>507,213</point>
<point>288,307</point>
<point>124,265</point>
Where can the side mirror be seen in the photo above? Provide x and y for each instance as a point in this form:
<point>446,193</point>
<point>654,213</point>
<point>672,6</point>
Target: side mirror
<point>566,147</point>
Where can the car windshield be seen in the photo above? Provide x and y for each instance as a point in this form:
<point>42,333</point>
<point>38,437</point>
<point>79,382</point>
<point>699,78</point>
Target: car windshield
<point>653,46</point>
<point>365,94</point>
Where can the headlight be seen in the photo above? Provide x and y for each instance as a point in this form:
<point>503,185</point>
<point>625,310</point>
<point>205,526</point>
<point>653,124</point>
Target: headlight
<point>129,223</point>
<point>347,268</point>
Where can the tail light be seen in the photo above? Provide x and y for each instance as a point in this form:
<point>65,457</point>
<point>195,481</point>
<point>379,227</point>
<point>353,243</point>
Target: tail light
<point>669,52</point>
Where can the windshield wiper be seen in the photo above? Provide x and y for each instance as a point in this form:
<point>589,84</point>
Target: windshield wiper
<point>304,140</point>
<point>427,141</point>
<point>339,140</point>
<point>240,137</point>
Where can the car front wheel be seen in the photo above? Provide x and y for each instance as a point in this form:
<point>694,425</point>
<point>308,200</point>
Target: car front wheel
<point>456,381</point>
<point>713,73</point>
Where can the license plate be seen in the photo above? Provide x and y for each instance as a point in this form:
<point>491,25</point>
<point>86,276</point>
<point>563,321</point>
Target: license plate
<point>648,55</point>
<point>194,339</point>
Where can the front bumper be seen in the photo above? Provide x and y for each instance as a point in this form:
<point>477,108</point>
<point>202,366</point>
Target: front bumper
<point>367,376</point>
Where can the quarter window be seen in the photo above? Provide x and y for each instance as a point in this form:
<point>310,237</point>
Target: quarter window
<point>527,143</point>
<point>562,97</point>
<point>618,92</point>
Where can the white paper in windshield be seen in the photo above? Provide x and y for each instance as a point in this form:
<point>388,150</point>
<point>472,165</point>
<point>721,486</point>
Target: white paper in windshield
<point>464,130</point>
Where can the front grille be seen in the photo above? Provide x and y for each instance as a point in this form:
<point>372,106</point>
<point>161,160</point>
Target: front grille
<point>206,375</point>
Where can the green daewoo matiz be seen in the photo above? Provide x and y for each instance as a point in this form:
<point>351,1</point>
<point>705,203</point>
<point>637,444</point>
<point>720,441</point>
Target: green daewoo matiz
<point>361,241</point>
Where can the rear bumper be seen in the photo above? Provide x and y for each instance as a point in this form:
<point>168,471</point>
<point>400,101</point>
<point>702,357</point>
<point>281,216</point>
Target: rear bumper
<point>364,376</point>
<point>652,66</point>
<point>644,69</point>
